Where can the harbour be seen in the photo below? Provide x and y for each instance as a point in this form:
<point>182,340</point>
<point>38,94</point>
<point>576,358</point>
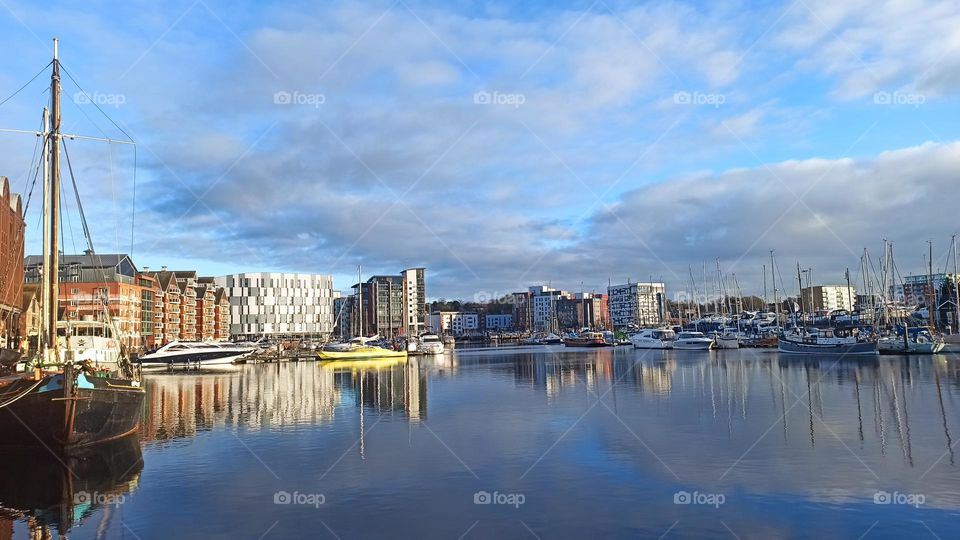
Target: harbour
<point>484,290</point>
<point>611,436</point>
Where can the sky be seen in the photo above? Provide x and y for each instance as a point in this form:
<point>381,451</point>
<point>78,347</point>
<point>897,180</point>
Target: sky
<point>498,145</point>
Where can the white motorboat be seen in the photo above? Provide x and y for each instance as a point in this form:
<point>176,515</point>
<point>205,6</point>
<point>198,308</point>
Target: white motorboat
<point>430,344</point>
<point>694,341</point>
<point>195,354</point>
<point>654,338</point>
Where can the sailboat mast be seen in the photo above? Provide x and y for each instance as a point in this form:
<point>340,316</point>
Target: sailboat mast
<point>956,286</point>
<point>52,269</point>
<point>45,342</point>
<point>360,300</point>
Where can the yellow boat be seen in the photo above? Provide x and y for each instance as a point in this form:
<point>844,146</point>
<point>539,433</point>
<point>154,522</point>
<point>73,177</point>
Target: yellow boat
<point>361,353</point>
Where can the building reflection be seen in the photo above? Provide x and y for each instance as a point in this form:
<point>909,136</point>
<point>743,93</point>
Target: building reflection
<point>279,395</point>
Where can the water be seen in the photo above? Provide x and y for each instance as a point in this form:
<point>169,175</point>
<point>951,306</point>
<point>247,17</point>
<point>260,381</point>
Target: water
<point>562,443</point>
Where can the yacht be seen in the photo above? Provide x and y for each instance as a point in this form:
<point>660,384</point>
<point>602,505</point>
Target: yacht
<point>827,342</point>
<point>430,344</point>
<point>196,354</point>
<point>696,341</point>
<point>654,338</point>
<point>90,341</point>
<point>726,339</point>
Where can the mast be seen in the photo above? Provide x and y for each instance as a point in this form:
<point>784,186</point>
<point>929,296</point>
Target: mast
<point>773,277</point>
<point>932,301</point>
<point>849,296</point>
<point>360,299</point>
<point>956,286</point>
<point>765,302</point>
<point>52,221</point>
<point>45,343</point>
<point>802,308</point>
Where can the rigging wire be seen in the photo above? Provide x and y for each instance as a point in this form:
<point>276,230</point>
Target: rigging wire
<point>11,96</point>
<point>129,138</point>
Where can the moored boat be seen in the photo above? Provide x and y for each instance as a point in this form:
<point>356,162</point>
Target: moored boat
<point>586,339</point>
<point>196,354</point>
<point>654,338</point>
<point>828,342</point>
<point>693,341</point>
<point>430,344</point>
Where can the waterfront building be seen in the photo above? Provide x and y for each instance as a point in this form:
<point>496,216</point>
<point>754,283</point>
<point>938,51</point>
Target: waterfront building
<point>828,297</point>
<point>221,315</point>
<point>543,305</point>
<point>106,288</point>
<point>392,306</point>
<point>636,304</point>
<point>414,300</point>
<point>583,310</point>
<point>913,291</point>
<point>12,228</point>
<point>454,322</point>
<point>498,322</point>
<point>279,304</point>
<point>522,311</point>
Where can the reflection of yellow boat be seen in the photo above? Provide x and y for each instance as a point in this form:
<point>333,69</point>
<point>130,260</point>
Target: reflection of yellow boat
<point>360,353</point>
<point>368,363</point>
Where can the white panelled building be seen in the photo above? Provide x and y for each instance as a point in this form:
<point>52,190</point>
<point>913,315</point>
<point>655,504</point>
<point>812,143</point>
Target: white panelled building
<point>279,304</point>
<point>636,304</point>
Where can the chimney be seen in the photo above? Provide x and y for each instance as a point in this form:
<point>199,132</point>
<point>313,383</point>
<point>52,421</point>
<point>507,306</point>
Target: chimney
<point>146,269</point>
<point>163,268</point>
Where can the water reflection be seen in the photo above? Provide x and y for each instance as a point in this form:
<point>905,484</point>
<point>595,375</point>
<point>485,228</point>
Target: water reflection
<point>53,493</point>
<point>278,396</point>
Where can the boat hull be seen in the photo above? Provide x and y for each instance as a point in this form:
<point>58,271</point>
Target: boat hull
<point>727,342</point>
<point>99,410</point>
<point>693,345</point>
<point>201,358</point>
<point>360,355</point>
<point>864,348</point>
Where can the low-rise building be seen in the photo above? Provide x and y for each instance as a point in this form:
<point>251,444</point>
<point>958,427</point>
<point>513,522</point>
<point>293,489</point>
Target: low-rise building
<point>454,322</point>
<point>586,310</point>
<point>498,322</point>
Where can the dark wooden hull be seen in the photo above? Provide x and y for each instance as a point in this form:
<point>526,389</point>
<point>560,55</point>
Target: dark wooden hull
<point>100,410</point>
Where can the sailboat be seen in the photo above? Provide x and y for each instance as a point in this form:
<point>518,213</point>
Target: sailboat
<point>59,403</point>
<point>358,348</point>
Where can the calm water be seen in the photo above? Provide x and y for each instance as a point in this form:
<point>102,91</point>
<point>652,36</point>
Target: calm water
<point>560,443</point>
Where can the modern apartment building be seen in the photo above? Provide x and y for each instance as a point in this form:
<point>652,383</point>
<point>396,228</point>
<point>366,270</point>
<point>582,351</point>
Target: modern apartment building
<point>414,300</point>
<point>828,297</point>
<point>388,305</point>
<point>586,310</point>
<point>522,311</point>
<point>497,322</point>
<point>279,304</point>
<point>636,304</point>
<point>11,265</point>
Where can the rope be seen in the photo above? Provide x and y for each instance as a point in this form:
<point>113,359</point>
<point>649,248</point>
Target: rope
<point>25,392</point>
<point>11,96</point>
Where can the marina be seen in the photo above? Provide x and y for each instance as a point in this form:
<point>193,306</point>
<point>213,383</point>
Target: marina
<point>797,448</point>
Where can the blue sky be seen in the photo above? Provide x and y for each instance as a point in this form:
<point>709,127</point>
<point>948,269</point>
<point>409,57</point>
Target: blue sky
<point>501,145</point>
